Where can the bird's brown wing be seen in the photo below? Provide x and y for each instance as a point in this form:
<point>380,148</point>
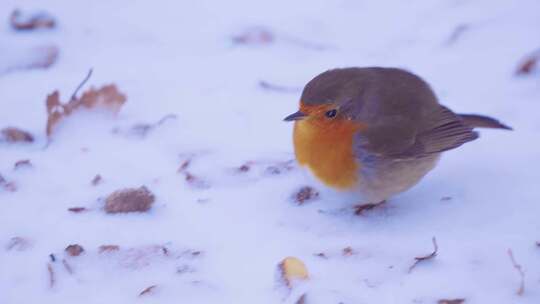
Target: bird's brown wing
<point>440,131</point>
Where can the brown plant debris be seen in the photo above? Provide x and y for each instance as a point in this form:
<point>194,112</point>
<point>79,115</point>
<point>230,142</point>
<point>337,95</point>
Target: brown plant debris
<point>108,248</point>
<point>280,167</point>
<point>183,167</point>
<point>22,163</point>
<point>246,167</point>
<point>430,256</point>
<point>148,290</point>
<point>529,63</point>
<point>129,200</point>
<point>96,180</point>
<point>457,33</point>
<point>142,129</point>
<point>7,185</point>
<point>52,278</point>
<point>451,301</point>
<point>321,255</point>
<point>362,208</point>
<point>24,21</point>
<point>195,181</point>
<point>305,194</point>
<point>292,269</point>
<point>347,251</point>
<point>15,135</point>
<point>520,271</point>
<point>278,88</point>
<point>254,36</point>
<point>77,209</point>
<point>18,243</point>
<point>107,97</point>
<point>74,250</point>
<point>68,267</point>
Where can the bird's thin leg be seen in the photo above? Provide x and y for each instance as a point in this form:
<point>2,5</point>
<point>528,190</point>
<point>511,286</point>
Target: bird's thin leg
<point>360,209</point>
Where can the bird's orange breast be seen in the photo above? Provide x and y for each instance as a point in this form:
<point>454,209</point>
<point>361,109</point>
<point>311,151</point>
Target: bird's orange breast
<point>326,148</point>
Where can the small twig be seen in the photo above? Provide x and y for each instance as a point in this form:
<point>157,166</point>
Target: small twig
<point>529,63</point>
<point>67,266</point>
<point>165,118</point>
<point>278,88</point>
<point>74,96</point>
<point>426,257</point>
<point>519,269</point>
<point>147,290</point>
<point>51,275</point>
<point>457,33</point>
<point>451,301</point>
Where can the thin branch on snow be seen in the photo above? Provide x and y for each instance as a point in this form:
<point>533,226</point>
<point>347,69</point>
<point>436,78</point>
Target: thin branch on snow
<point>52,279</point>
<point>457,33</point>
<point>519,269</point>
<point>74,95</point>
<point>147,290</point>
<point>426,257</point>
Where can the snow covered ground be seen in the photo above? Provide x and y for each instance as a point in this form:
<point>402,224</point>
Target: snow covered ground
<point>225,234</point>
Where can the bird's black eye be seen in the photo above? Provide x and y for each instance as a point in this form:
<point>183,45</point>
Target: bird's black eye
<point>331,113</point>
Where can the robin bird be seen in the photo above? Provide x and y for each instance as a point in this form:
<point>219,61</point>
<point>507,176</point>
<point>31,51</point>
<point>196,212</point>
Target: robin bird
<point>376,131</point>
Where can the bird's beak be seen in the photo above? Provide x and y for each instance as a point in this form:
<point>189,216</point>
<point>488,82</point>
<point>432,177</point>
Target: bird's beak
<point>295,116</point>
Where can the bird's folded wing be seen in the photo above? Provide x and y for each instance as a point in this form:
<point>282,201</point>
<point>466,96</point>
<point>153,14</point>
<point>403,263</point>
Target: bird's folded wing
<point>445,131</point>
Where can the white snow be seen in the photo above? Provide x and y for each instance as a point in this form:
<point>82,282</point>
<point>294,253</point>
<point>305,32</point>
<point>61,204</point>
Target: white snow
<point>173,57</point>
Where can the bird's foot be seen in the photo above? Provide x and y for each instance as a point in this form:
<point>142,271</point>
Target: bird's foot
<point>360,209</point>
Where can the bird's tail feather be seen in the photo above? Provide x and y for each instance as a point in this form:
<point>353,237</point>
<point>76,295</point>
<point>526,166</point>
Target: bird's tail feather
<point>480,121</point>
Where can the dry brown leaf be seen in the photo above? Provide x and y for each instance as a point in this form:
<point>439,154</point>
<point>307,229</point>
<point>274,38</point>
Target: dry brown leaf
<point>292,269</point>
<point>14,135</point>
<point>31,20</point>
<point>430,256</point>
<point>520,271</point>
<point>108,248</point>
<point>451,301</point>
<point>74,250</point>
<point>107,97</point>
<point>305,194</point>
<point>129,200</point>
